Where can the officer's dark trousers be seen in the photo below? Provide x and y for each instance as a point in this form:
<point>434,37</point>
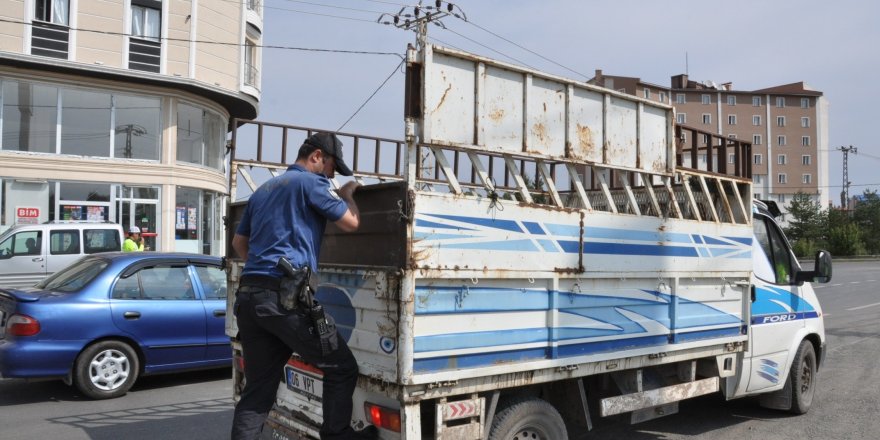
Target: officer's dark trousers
<point>268,334</point>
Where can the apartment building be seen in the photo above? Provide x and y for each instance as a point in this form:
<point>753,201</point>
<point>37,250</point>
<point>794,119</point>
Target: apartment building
<point>787,126</point>
<point>118,111</point>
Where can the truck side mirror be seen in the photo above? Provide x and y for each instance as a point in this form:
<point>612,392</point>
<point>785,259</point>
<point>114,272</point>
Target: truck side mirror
<point>820,274</point>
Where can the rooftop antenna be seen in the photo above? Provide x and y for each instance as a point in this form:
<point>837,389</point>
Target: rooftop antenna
<point>686,72</point>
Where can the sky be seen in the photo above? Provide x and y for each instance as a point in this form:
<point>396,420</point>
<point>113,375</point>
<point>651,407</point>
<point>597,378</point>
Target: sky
<point>834,47</point>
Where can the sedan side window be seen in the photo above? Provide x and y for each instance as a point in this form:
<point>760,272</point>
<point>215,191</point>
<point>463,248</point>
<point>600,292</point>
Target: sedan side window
<point>213,281</point>
<point>156,283</point>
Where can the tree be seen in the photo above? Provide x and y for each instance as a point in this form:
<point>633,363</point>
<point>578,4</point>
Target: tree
<point>866,216</point>
<point>805,228</point>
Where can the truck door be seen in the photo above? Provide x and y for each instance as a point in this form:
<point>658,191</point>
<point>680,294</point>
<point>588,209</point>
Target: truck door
<point>777,308</point>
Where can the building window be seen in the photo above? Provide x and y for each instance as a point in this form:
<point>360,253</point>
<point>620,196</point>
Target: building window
<point>782,178</point>
<point>52,11</point>
<point>781,199</point>
<point>759,179</point>
<point>731,119</point>
<point>731,158</point>
<point>806,159</point>
<point>254,5</point>
<point>50,35</point>
<point>780,140</point>
<point>805,102</point>
<point>731,136</point>
<point>805,122</point>
<point>780,121</point>
<point>662,96</point>
<point>146,19</point>
<point>681,118</point>
<point>680,98</point>
<point>707,118</point>
<point>144,49</point>
<point>781,159</point>
<point>200,136</point>
<point>85,122</point>
<point>731,99</point>
<point>707,99</point>
<point>138,130</point>
<point>647,93</point>
<point>805,141</point>
<point>759,159</point>
<point>684,136</point>
<point>756,101</point>
<point>780,101</point>
<point>704,138</point>
<point>756,120</point>
<point>30,115</point>
<point>807,179</point>
<point>89,120</point>
<point>756,139</point>
<point>251,72</point>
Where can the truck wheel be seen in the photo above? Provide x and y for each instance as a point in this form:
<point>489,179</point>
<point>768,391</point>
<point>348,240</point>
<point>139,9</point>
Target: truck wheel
<point>803,378</point>
<point>106,370</point>
<point>530,418</point>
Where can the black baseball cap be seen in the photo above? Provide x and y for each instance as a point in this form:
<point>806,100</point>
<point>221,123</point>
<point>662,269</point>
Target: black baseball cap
<point>330,144</point>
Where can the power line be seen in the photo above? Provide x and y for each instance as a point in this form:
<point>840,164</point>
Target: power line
<point>493,50</point>
<point>333,6</point>
<point>527,49</point>
<point>371,96</point>
<point>265,46</point>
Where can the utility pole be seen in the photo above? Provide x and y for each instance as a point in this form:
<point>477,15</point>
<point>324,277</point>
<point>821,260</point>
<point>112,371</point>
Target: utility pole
<point>844,194</point>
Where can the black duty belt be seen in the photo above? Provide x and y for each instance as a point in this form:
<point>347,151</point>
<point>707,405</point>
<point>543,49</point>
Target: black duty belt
<point>261,281</point>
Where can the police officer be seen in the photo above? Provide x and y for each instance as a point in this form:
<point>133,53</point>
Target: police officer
<point>285,217</point>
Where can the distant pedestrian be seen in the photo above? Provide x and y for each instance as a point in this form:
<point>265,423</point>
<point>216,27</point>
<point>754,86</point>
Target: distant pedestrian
<point>134,242</point>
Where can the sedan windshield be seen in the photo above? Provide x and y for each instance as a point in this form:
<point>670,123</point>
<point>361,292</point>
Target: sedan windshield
<point>75,276</point>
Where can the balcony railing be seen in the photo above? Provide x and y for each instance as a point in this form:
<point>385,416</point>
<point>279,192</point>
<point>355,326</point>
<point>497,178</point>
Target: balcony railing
<point>50,40</point>
<point>144,55</point>
<point>255,5</point>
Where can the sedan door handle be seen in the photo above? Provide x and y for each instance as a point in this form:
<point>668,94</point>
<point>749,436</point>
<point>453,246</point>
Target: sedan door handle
<point>219,313</point>
<point>132,315</point>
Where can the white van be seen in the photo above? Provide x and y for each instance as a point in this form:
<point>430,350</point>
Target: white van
<point>29,253</point>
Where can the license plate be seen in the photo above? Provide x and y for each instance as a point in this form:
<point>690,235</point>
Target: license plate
<point>309,384</point>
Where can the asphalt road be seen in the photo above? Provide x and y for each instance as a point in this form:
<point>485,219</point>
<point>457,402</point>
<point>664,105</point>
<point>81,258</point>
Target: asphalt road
<point>198,405</point>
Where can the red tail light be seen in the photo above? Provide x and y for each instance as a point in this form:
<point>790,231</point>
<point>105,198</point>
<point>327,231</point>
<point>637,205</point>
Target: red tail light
<point>383,417</point>
<point>22,325</point>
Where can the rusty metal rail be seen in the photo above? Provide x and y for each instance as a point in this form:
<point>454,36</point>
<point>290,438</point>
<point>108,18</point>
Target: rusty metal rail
<point>715,193</point>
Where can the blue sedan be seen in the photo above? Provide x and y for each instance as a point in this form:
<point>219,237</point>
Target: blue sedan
<point>109,318</point>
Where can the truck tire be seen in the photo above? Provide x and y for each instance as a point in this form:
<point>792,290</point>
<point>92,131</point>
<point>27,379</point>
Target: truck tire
<point>803,378</point>
<point>106,370</point>
<point>529,418</point>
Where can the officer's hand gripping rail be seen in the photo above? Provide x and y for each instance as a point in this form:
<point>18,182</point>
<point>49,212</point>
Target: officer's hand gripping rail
<point>302,292</point>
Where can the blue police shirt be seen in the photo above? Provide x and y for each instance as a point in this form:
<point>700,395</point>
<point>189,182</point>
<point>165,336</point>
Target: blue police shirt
<point>286,216</point>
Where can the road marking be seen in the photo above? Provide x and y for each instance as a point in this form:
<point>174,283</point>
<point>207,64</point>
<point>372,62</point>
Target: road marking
<point>863,307</point>
<point>855,282</point>
<point>835,285</point>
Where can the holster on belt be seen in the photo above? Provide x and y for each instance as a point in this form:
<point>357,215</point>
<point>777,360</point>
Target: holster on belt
<point>294,286</point>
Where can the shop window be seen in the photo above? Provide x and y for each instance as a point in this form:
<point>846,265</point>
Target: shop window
<point>30,114</point>
<point>138,130</point>
<point>200,136</point>
<point>85,123</point>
